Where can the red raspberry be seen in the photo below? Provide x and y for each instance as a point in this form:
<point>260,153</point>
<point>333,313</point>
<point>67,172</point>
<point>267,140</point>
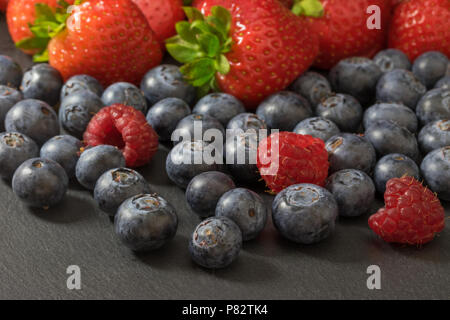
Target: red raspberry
<point>126,128</point>
<point>413,214</point>
<point>297,159</point>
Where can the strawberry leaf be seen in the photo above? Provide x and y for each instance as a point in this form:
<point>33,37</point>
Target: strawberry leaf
<point>222,15</point>
<point>183,28</point>
<point>183,51</point>
<point>44,13</point>
<point>49,22</point>
<point>210,44</point>
<point>309,8</point>
<point>199,72</point>
<point>32,43</point>
<point>222,65</point>
<point>202,44</point>
<point>41,57</point>
<point>193,13</point>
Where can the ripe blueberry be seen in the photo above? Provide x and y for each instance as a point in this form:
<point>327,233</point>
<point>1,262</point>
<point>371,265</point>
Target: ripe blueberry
<point>246,208</point>
<point>145,222</point>
<point>305,213</point>
<point>205,190</point>
<point>41,183</point>
<point>215,243</point>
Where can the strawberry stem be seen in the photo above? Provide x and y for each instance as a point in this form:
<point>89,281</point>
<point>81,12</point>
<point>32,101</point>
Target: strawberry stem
<point>309,8</point>
<point>48,24</point>
<point>201,44</point>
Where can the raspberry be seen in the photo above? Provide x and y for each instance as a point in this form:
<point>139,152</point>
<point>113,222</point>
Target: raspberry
<point>412,213</point>
<point>126,128</point>
<point>298,159</point>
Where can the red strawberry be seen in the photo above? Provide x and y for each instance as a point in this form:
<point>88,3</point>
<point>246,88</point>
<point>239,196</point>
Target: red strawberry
<point>413,214</point>
<point>287,3</point>
<point>343,32</point>
<point>162,15</point>
<point>21,13</point>
<point>396,2</point>
<point>287,158</point>
<point>250,48</point>
<point>109,40</point>
<point>3,5</point>
<point>419,26</point>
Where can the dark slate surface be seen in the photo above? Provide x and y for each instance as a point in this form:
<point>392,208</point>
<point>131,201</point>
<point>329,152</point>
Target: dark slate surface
<point>37,246</point>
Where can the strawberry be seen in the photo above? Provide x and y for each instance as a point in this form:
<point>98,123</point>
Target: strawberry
<point>21,13</point>
<point>3,5</point>
<point>287,3</point>
<point>419,26</point>
<point>162,15</point>
<point>108,40</point>
<point>342,29</point>
<point>249,49</point>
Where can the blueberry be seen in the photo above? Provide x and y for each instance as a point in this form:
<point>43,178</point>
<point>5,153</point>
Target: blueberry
<point>434,135</point>
<point>344,110</point>
<point>215,243</point>
<point>77,110</point>
<point>353,190</point>
<point>313,86</point>
<point>166,81</point>
<point>165,115</point>
<point>397,113</point>
<point>187,160</point>
<point>15,148</point>
<point>246,208</point>
<point>435,168</point>
<point>387,137</point>
<point>42,82</point>
<point>146,222</point>
<point>205,190</point>
<point>317,127</point>
<point>394,165</point>
<point>434,105</point>
<point>284,110</point>
<point>186,128</point>
<point>10,72</point>
<point>430,67</point>
<point>33,118</point>
<point>125,93</point>
<point>79,84</point>
<point>305,213</point>
<point>8,98</point>
<point>41,183</point>
<point>240,153</point>
<point>244,122</point>
<point>357,77</point>
<point>444,83</point>
<point>391,59</point>
<point>221,106</point>
<point>64,150</point>
<point>400,86</point>
<point>117,185</point>
<point>95,161</point>
<point>350,151</point>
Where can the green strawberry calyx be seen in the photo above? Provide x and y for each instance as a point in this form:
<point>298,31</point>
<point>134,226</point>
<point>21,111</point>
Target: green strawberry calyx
<point>201,44</point>
<point>48,24</point>
<point>309,8</point>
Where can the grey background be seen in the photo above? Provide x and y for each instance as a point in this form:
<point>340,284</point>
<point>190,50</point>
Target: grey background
<point>37,246</point>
